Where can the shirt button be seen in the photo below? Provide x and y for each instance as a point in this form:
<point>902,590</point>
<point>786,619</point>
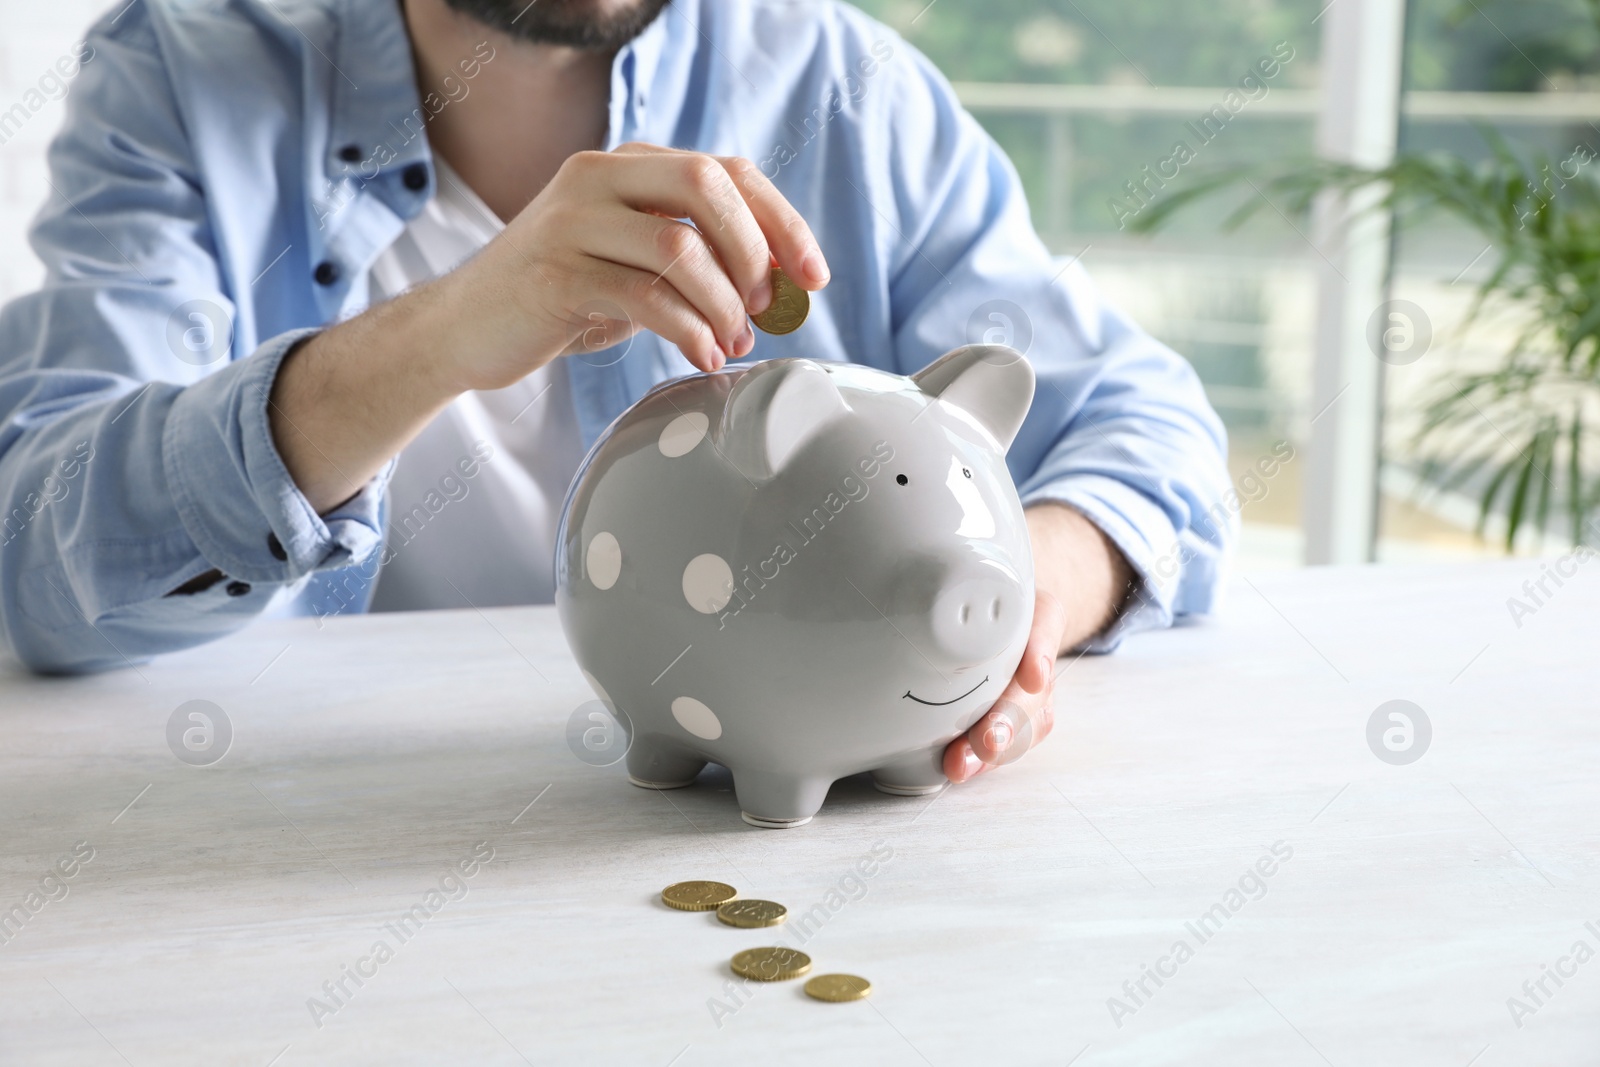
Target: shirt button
<point>237,588</point>
<point>327,272</point>
<point>350,153</point>
<point>415,177</point>
<point>275,546</point>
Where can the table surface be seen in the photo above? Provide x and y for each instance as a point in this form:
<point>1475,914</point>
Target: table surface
<point>372,755</point>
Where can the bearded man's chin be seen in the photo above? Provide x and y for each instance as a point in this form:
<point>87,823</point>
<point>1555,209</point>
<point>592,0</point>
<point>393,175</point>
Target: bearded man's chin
<point>590,24</point>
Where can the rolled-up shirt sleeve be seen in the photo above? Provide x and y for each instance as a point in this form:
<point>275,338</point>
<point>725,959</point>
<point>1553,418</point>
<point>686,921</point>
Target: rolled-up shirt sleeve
<point>130,476</point>
<point>226,477</point>
<point>1120,427</point>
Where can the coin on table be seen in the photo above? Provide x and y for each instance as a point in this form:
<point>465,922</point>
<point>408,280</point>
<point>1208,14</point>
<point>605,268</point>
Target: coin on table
<point>789,308</point>
<point>838,988</point>
<point>774,964</point>
<point>752,913</point>
<point>697,896</point>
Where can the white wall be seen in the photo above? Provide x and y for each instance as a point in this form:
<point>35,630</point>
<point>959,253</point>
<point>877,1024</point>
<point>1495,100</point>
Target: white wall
<point>33,37</point>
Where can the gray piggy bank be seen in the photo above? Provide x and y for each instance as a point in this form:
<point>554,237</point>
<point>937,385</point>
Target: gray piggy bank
<point>802,570</point>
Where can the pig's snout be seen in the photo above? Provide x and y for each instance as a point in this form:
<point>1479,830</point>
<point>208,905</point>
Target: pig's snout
<point>976,614</point>
<point>969,611</point>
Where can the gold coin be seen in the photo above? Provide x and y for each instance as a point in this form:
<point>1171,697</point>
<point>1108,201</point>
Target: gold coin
<point>697,896</point>
<point>838,988</point>
<point>789,308</point>
<point>771,964</point>
<point>752,913</point>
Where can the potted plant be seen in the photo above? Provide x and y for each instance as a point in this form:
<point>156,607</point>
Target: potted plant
<point>1541,219</point>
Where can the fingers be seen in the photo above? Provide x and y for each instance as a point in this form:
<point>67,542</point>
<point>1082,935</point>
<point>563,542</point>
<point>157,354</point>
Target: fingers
<point>961,764</point>
<point>676,254</point>
<point>1007,731</point>
<point>1025,713</point>
<point>1000,738</point>
<point>656,305</point>
<point>792,243</point>
<point>697,187</point>
<point>610,225</point>
<point>746,219</point>
<point>1044,642</point>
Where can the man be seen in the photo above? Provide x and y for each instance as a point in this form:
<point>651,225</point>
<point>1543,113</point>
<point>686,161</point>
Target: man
<point>238,179</point>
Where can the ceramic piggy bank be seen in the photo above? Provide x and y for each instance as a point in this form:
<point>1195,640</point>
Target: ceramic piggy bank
<point>801,571</point>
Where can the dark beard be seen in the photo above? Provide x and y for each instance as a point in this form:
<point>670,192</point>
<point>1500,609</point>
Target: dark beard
<point>562,22</point>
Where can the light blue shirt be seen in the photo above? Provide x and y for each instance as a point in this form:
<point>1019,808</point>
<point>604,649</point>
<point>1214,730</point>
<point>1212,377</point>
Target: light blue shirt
<point>230,169</point>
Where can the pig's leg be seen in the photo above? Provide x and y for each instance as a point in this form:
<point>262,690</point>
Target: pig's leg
<point>778,801</point>
<point>913,776</point>
<point>653,765</point>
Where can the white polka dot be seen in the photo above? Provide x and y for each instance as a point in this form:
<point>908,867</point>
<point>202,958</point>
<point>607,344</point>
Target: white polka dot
<point>680,435</point>
<point>708,583</point>
<point>697,718</point>
<point>604,560</point>
<point>599,690</point>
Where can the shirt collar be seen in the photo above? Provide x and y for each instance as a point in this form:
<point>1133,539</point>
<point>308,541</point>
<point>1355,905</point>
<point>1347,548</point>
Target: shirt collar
<point>646,49</point>
<point>633,71</point>
<point>376,110</point>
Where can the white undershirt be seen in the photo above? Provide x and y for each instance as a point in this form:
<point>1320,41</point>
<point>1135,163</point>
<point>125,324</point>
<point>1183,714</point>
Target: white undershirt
<point>488,539</point>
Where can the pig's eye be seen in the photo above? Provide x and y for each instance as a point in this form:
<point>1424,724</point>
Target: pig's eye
<point>966,471</point>
<point>901,478</point>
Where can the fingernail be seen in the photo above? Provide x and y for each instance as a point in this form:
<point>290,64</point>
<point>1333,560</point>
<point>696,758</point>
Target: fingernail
<point>717,361</point>
<point>746,341</point>
<point>970,765</point>
<point>1042,679</point>
<point>812,267</point>
<point>998,737</point>
<point>1046,668</point>
<point>761,296</point>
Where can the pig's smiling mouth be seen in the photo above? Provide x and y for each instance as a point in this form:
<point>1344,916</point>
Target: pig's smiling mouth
<point>952,700</point>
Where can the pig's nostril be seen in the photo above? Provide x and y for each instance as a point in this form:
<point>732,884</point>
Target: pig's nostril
<point>994,611</point>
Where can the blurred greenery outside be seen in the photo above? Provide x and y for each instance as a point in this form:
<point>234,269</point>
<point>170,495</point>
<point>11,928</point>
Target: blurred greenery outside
<point>1240,306</point>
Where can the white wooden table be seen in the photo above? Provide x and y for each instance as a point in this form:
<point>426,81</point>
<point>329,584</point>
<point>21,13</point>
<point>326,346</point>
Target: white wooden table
<point>372,754</point>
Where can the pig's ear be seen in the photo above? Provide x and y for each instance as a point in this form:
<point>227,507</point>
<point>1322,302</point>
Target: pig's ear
<point>777,408</point>
<point>992,383</point>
